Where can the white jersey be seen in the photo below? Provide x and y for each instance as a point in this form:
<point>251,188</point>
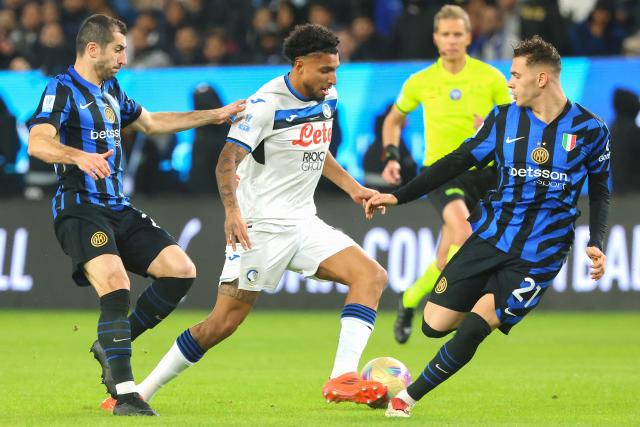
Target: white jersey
<point>288,138</point>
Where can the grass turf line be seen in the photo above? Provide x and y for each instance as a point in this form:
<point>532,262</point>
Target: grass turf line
<point>554,368</point>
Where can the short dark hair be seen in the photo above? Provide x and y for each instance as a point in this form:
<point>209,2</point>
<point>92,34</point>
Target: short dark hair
<point>309,38</point>
<point>99,29</point>
<point>538,51</point>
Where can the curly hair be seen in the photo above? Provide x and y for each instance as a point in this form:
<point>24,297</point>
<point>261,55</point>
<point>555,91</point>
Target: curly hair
<point>538,51</point>
<point>309,38</point>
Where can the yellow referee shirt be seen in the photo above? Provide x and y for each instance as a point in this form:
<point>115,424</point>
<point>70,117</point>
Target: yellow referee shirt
<point>449,102</point>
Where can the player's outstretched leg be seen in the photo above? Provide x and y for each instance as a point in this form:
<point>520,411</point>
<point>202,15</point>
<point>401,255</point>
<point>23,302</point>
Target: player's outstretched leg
<point>232,307</point>
<point>366,280</point>
<point>175,273</point>
<point>451,357</point>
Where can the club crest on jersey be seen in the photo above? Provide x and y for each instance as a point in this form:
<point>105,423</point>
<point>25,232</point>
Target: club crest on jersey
<point>540,155</point>
<point>99,239</point>
<point>455,94</point>
<point>441,286</point>
<point>326,111</point>
<point>109,115</point>
<point>252,275</point>
<point>569,141</point>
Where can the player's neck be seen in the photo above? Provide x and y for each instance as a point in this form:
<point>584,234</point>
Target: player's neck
<point>454,66</point>
<point>87,72</point>
<point>296,83</point>
<point>548,107</point>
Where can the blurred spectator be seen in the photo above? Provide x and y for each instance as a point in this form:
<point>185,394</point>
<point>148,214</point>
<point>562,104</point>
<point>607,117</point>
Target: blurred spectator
<point>25,37</point>
<point>412,35</point>
<point>186,50</point>
<point>369,45</point>
<point>261,22</point>
<point>72,15</point>
<point>347,45</point>
<point>285,18</point>
<point>625,142</point>
<point>50,12</point>
<point>141,53</point>
<point>321,14</point>
<point>599,34</point>
<point>543,17</point>
<point>175,16</point>
<point>11,183</point>
<point>51,54</point>
<point>18,63</point>
<point>269,49</point>
<point>373,164</point>
<point>215,50</point>
<point>207,144</point>
<point>492,42</point>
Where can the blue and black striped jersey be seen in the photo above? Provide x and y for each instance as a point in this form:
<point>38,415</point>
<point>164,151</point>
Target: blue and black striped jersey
<point>89,118</point>
<point>541,171</point>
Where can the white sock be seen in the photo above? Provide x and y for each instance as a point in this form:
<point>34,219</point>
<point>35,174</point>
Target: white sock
<point>354,335</point>
<point>172,364</point>
<point>405,396</point>
<point>125,387</point>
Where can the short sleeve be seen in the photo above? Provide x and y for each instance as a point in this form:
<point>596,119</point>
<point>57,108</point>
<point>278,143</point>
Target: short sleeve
<point>130,110</point>
<point>482,145</point>
<point>600,154</point>
<point>408,100</point>
<point>54,106</point>
<point>253,124</point>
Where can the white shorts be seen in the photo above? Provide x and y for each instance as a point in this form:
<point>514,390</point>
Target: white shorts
<point>299,247</point>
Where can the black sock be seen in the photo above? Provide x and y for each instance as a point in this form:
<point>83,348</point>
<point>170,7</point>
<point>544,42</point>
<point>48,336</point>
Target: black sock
<point>114,334</point>
<point>157,302</point>
<point>452,356</point>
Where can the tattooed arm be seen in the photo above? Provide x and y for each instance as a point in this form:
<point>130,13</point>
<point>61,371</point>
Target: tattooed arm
<point>235,229</point>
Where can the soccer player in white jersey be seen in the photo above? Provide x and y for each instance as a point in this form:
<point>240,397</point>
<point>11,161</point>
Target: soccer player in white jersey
<point>267,174</point>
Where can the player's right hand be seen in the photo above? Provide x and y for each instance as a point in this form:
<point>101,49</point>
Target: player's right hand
<point>391,173</point>
<point>235,230</point>
<point>379,202</point>
<point>229,113</point>
<point>94,164</point>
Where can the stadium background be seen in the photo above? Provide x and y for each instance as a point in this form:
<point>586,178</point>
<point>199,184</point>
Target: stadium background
<point>171,177</point>
<point>557,368</point>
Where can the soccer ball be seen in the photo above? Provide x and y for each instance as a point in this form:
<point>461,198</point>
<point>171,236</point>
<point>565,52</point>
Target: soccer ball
<point>388,371</point>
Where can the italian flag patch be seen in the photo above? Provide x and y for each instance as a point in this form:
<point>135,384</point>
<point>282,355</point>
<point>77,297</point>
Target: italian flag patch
<point>568,141</point>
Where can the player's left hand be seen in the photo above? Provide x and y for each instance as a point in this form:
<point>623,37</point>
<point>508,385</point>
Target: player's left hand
<point>228,113</point>
<point>379,202</point>
<point>599,260</point>
<point>362,195</point>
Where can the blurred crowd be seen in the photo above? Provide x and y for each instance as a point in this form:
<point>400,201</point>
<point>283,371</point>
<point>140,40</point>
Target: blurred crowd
<point>40,33</point>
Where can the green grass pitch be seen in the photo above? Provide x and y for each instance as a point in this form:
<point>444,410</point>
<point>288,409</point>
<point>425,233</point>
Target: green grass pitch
<point>554,369</point>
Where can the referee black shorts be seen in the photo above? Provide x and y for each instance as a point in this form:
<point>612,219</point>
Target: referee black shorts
<point>471,187</point>
<point>480,268</point>
<point>87,231</point>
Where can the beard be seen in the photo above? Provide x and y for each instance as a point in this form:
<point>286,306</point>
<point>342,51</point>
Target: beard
<point>104,71</point>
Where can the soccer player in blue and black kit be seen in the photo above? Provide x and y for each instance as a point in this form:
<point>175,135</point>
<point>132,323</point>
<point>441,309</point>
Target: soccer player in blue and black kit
<point>77,127</point>
<point>545,146</point>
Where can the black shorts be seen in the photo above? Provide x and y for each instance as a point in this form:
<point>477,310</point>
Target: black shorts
<point>471,186</point>
<point>87,231</point>
<point>480,268</point>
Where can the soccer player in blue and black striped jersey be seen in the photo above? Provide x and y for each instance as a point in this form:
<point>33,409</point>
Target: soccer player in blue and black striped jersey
<point>77,127</point>
<point>545,147</point>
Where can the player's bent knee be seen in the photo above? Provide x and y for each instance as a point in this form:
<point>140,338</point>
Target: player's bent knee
<point>432,333</point>
<point>186,269</point>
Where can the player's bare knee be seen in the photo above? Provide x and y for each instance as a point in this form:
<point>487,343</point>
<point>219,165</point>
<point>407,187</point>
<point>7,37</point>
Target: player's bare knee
<point>117,279</point>
<point>185,269</point>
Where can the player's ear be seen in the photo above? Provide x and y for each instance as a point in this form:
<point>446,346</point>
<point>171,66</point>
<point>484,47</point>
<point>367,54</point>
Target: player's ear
<point>92,50</point>
<point>543,78</point>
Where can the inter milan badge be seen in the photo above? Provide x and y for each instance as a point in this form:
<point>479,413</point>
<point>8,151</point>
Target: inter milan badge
<point>109,115</point>
<point>540,155</point>
<point>98,239</point>
<point>441,286</point>
<point>455,94</point>
<point>252,275</point>
<point>326,111</point>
